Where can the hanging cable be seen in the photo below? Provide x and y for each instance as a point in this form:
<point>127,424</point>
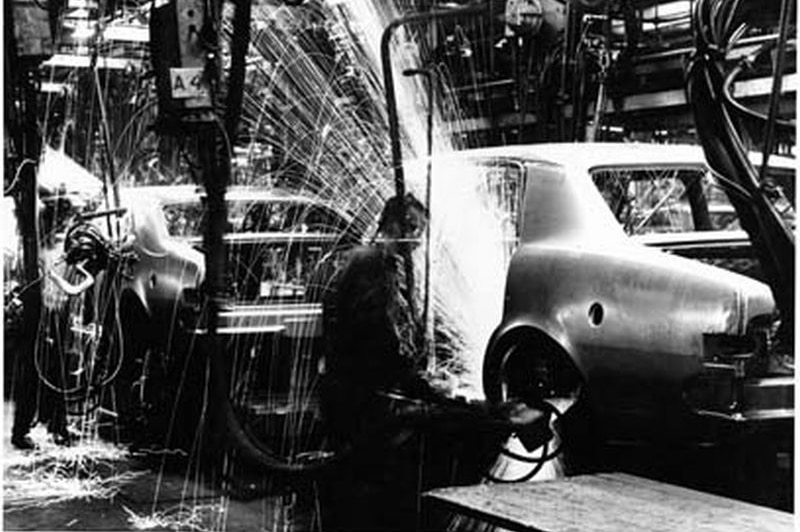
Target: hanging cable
<point>109,175</point>
<point>716,24</point>
<point>777,80</point>
<point>17,173</point>
<point>240,41</point>
<point>744,64</point>
<point>538,462</point>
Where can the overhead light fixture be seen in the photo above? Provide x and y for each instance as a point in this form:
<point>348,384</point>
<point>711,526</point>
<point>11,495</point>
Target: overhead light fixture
<point>53,87</point>
<point>127,33</point>
<point>82,4</point>
<point>84,61</point>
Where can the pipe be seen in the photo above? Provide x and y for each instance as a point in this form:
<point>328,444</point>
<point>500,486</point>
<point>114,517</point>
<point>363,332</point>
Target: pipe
<point>240,40</point>
<point>680,52</point>
<point>786,9</point>
<point>394,130</point>
<point>426,303</point>
<point>388,79</point>
<point>726,155</point>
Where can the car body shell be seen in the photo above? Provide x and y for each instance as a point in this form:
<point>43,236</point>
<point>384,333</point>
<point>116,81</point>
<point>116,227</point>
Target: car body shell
<point>167,276</point>
<point>633,320</point>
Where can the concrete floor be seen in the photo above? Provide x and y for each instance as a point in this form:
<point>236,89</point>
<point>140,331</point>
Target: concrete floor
<point>146,491</point>
<point>130,493</point>
<point>94,485</point>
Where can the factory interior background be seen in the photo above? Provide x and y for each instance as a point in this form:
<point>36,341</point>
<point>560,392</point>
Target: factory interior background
<point>331,265</point>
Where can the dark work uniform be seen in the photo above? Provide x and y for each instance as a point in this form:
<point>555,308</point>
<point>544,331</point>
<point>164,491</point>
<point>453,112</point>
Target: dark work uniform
<point>397,435</point>
<point>32,396</point>
<point>370,336</point>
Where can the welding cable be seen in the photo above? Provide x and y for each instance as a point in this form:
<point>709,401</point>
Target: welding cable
<point>524,478</point>
<point>728,35</point>
<point>726,155</point>
<point>97,356</point>
<point>239,43</point>
<point>702,28</point>
<point>110,173</point>
<point>132,121</point>
<point>744,64</point>
<point>73,289</point>
<point>115,315</point>
<point>42,275</point>
<point>734,37</point>
<point>705,85</point>
<point>780,60</point>
<point>88,390</point>
<point>42,356</point>
<point>15,293</point>
<point>714,123</point>
<point>17,174</point>
<point>715,18</point>
<point>545,456</point>
<point>250,449</point>
<point>538,462</point>
<point>225,139</point>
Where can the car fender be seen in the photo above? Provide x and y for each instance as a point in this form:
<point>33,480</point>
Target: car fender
<point>627,311</point>
<point>164,268</point>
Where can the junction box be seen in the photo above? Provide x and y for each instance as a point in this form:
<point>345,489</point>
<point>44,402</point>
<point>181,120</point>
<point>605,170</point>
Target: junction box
<point>180,49</point>
<point>35,24</point>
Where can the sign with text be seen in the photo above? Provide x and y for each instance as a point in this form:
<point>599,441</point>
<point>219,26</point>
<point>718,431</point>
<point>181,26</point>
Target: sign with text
<point>187,83</point>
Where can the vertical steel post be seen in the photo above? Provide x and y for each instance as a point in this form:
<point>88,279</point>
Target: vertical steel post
<point>394,128</point>
<point>427,323</point>
<point>29,226</point>
<point>388,79</point>
<point>26,199</point>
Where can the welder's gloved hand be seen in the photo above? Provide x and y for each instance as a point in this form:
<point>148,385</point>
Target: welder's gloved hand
<point>531,425</point>
<point>518,414</point>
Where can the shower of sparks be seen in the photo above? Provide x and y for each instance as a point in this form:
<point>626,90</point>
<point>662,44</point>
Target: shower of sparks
<point>90,469</point>
<point>468,271</point>
<point>327,114</point>
<point>315,95</point>
<point>199,517</point>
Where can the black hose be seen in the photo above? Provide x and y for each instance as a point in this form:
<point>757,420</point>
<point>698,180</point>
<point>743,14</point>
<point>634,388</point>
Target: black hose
<point>537,461</point>
<point>524,478</point>
<point>545,457</point>
<point>736,106</point>
<point>786,10</point>
<point>726,155</point>
<point>250,449</point>
<point>240,41</point>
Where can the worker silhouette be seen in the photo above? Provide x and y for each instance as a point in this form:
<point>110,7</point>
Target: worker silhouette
<point>35,401</point>
<point>397,435</point>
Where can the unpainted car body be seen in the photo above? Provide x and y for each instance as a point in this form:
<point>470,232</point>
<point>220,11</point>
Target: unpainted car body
<point>683,209</point>
<point>652,339</point>
<point>165,228</point>
<point>280,245</point>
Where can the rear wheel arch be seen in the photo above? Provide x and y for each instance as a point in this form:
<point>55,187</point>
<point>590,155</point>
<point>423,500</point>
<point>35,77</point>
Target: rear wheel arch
<point>528,361</point>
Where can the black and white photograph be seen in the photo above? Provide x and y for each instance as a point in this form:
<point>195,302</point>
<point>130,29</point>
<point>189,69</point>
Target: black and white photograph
<point>399,265</point>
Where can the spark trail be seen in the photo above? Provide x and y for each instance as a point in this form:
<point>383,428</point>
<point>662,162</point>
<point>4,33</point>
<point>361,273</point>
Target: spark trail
<point>320,100</point>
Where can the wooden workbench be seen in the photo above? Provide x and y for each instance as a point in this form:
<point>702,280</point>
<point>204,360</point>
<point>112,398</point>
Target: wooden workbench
<point>608,502</point>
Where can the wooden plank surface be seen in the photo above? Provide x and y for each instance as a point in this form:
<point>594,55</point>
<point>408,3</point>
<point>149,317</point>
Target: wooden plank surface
<point>608,502</point>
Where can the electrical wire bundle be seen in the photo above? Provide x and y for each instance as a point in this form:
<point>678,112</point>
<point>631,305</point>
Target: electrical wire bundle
<point>536,459</point>
<point>718,25</point>
<point>85,333</point>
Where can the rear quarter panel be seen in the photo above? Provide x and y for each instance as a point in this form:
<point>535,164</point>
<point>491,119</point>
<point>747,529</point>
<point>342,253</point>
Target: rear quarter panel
<point>165,267</point>
<point>654,308</point>
<point>631,318</point>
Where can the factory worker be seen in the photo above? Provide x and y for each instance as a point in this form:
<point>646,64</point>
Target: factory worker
<point>376,402</point>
